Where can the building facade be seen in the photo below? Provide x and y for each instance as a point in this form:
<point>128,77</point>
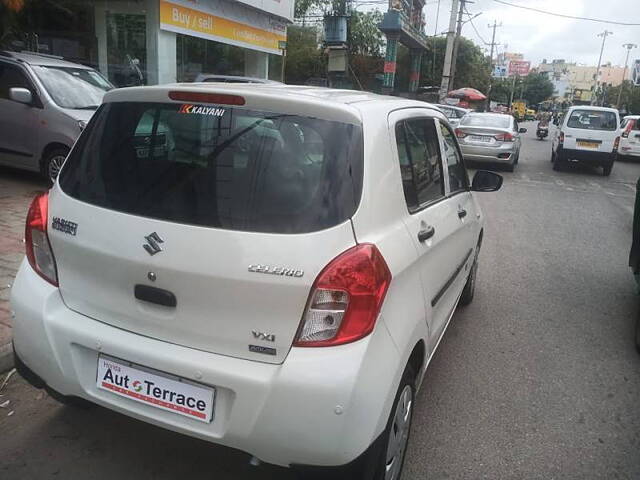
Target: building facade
<point>151,42</point>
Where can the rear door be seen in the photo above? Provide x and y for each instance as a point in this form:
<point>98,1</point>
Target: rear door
<point>460,200</point>
<point>204,225</point>
<point>432,221</point>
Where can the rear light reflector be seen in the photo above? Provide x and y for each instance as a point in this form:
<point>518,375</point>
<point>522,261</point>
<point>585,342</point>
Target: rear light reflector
<point>616,144</point>
<point>460,133</point>
<point>38,248</point>
<point>345,299</point>
<point>561,138</point>
<point>504,155</point>
<point>504,137</point>
<point>199,97</point>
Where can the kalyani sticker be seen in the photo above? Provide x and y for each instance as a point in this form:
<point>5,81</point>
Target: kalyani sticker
<point>155,390</point>
<point>188,108</point>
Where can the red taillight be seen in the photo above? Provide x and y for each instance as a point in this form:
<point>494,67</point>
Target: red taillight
<point>199,97</point>
<point>504,137</point>
<point>616,144</point>
<point>628,128</point>
<point>38,249</point>
<point>460,133</point>
<point>561,138</point>
<point>345,299</point>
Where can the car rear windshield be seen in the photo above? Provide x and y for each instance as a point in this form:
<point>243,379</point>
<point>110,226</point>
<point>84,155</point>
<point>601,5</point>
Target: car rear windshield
<point>222,167</point>
<point>485,121</point>
<point>592,120</point>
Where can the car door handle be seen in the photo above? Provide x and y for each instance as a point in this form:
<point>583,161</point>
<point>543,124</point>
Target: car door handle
<point>426,234</point>
<point>462,213</point>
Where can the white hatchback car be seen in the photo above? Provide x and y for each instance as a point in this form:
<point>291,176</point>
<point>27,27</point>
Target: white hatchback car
<point>269,268</point>
<point>630,138</point>
<point>587,134</point>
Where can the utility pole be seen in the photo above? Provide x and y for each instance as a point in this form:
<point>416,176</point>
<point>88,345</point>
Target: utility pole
<point>448,55</point>
<point>493,44</point>
<point>629,47</point>
<point>595,80</point>
<point>435,38</point>
<point>456,45</point>
<point>513,91</point>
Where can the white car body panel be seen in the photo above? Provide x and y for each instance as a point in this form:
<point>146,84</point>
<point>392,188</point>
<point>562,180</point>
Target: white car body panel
<point>316,406</point>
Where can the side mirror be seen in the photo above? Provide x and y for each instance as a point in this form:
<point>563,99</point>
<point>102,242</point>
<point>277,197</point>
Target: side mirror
<point>522,130</point>
<point>21,95</point>
<point>484,181</point>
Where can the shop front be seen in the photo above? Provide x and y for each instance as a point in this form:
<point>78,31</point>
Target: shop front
<point>148,42</point>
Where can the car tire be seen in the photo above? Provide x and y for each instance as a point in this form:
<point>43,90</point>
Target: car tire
<point>470,287</point>
<point>606,169</point>
<point>553,155</point>
<point>511,166</point>
<point>396,435</point>
<point>558,162</point>
<point>52,163</point>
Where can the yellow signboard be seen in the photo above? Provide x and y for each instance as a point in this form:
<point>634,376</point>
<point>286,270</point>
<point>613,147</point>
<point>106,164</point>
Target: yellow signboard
<point>178,18</point>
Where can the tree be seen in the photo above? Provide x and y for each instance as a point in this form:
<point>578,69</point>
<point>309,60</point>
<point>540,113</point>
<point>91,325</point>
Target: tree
<point>304,58</point>
<point>472,67</point>
<point>365,38</point>
<point>629,100</point>
<point>537,88</point>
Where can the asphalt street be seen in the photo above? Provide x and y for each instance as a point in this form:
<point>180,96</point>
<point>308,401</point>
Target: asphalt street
<point>537,378</point>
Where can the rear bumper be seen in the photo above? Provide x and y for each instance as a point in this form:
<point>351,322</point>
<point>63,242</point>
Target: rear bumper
<point>321,407</point>
<point>589,157</point>
<point>503,153</point>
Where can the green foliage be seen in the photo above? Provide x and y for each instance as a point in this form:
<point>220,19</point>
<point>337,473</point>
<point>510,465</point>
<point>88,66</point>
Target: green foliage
<point>364,36</point>
<point>472,67</point>
<point>537,88</point>
<point>630,99</point>
<point>304,58</point>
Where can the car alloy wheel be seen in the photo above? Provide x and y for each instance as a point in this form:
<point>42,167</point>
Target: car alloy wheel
<point>399,434</point>
<point>55,164</point>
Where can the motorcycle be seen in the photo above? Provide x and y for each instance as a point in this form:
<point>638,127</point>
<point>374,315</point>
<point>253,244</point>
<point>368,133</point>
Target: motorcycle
<point>542,132</point>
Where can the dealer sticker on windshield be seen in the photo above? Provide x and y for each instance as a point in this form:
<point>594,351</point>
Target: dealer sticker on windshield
<point>190,109</point>
<point>159,391</point>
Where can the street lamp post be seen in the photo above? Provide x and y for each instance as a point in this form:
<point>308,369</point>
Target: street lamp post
<point>629,47</point>
<point>595,80</point>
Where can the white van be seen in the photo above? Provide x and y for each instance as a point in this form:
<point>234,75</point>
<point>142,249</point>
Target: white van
<point>587,134</point>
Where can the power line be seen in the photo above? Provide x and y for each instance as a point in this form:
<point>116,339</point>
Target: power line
<point>476,30</point>
<point>568,16</point>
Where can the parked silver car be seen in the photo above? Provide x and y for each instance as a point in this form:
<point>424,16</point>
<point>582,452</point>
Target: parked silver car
<point>45,102</point>
<point>490,138</point>
<point>453,114</point>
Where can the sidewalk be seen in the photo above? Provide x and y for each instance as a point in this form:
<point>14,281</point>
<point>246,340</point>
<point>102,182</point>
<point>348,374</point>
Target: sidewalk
<point>17,189</point>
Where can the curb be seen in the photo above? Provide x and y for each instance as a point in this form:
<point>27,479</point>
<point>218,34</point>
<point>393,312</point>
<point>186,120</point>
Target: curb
<point>6,357</point>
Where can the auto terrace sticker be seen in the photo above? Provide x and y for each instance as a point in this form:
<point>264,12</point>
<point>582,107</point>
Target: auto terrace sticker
<point>158,391</point>
<point>190,109</point>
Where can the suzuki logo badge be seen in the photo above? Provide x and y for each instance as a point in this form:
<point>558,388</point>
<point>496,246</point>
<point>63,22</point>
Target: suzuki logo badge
<point>152,246</point>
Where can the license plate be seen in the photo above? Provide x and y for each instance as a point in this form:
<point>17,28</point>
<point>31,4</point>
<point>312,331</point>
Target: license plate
<point>480,138</point>
<point>582,143</point>
<point>143,385</point>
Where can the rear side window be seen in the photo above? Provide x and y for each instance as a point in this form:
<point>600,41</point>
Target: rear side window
<point>592,120</point>
<point>220,167</point>
<point>457,172</point>
<point>420,164</point>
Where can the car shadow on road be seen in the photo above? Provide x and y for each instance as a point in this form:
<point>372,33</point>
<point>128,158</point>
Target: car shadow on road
<point>111,445</point>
